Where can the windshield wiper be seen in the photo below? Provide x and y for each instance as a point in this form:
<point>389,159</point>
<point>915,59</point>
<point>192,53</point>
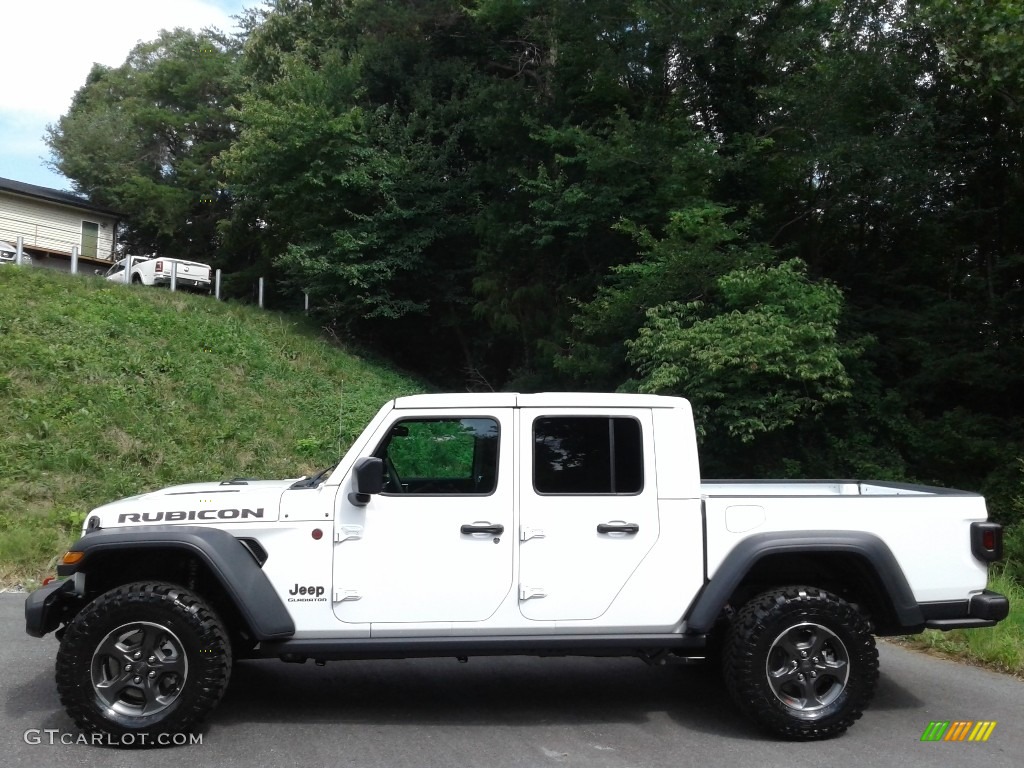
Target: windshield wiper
<point>313,480</point>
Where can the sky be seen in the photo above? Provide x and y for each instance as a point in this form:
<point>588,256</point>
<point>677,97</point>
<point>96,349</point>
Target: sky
<point>47,49</point>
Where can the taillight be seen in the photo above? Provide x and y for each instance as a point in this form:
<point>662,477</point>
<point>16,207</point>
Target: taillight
<point>159,266</point>
<point>987,541</point>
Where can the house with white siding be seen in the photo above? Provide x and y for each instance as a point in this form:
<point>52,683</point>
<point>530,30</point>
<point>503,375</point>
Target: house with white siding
<point>51,223</point>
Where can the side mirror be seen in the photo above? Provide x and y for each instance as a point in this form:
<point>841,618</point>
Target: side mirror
<point>368,479</point>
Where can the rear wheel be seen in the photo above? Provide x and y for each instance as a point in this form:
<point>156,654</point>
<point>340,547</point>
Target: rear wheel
<point>148,657</point>
<point>801,662</point>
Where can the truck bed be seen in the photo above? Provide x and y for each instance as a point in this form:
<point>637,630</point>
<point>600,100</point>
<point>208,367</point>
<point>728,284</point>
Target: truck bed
<point>908,518</point>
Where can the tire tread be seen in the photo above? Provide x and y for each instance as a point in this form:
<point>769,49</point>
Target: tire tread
<point>743,663</point>
<point>96,619</point>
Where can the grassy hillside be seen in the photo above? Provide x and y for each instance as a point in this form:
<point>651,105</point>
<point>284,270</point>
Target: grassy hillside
<point>109,390</point>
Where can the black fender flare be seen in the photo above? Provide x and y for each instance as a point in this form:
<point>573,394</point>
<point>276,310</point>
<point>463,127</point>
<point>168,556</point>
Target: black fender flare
<point>704,611</point>
<point>228,559</point>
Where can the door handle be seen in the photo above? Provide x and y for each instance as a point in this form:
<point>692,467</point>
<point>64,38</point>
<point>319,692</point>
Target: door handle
<point>494,530</point>
<point>618,528</point>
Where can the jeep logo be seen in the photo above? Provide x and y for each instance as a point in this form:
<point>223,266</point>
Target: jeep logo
<point>192,514</point>
<point>313,594</point>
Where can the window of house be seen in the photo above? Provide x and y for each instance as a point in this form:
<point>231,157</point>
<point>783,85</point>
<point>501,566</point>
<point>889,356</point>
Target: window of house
<point>587,455</point>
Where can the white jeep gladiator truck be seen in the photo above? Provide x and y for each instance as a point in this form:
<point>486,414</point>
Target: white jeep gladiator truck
<point>144,270</point>
<point>542,524</point>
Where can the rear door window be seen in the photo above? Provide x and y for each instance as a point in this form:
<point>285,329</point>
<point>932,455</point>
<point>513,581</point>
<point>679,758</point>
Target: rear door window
<point>587,455</point>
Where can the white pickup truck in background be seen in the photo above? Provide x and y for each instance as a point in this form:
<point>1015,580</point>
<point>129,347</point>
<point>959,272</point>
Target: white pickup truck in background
<point>9,254</point>
<point>145,270</point>
<point>487,524</point>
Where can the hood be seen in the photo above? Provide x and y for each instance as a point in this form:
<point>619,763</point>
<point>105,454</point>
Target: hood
<point>213,503</point>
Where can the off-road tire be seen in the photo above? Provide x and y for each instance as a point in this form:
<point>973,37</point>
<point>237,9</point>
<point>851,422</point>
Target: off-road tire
<point>177,645</point>
<point>775,643</point>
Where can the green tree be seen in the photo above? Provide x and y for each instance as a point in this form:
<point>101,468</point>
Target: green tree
<point>142,139</point>
<point>758,354</point>
<point>700,245</point>
<point>351,163</point>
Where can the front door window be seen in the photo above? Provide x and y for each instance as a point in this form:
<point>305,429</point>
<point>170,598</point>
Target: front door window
<point>441,456</point>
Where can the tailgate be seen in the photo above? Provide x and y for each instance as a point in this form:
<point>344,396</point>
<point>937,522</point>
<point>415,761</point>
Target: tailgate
<point>187,270</point>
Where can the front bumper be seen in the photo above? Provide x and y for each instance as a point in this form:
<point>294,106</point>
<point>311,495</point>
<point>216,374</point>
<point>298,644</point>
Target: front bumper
<point>45,608</point>
<point>984,609</point>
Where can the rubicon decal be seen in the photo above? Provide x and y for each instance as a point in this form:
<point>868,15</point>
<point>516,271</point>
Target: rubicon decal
<point>958,730</point>
<point>313,594</point>
<point>192,514</point>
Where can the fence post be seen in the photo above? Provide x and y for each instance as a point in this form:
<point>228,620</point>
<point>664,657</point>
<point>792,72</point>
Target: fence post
<point>128,271</point>
<point>216,289</point>
<point>74,260</point>
<point>174,276</point>
<point>261,293</point>
<point>19,249</point>
<point>306,310</point>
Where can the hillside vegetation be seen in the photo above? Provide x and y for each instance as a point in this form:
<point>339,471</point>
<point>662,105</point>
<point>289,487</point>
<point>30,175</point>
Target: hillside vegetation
<point>108,391</point>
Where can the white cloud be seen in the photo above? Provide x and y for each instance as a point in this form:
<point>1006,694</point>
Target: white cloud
<point>49,46</point>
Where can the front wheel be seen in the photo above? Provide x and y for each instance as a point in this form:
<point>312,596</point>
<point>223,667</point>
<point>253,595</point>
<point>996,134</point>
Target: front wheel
<point>144,658</point>
<point>801,662</point>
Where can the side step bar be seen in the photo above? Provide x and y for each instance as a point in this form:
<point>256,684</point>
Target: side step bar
<point>499,645</point>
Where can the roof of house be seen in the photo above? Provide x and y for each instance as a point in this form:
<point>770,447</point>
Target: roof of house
<point>54,196</point>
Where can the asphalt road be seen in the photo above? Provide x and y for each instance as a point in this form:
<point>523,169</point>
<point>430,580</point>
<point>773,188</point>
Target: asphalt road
<point>519,713</point>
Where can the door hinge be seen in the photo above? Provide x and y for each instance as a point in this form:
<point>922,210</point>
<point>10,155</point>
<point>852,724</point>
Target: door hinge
<point>528,593</point>
<point>525,534</point>
<point>341,595</point>
<point>347,533</point>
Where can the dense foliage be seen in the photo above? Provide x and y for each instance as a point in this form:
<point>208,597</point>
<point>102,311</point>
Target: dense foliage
<point>803,216</point>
